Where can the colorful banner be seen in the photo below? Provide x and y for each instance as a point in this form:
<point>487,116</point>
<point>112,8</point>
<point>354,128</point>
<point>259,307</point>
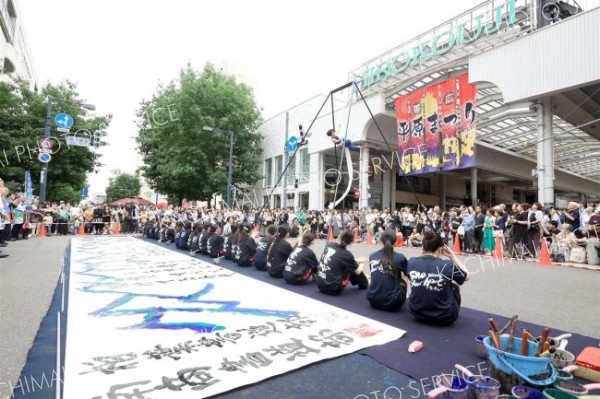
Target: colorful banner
<point>402,111</point>
<point>432,128</point>
<point>449,121</point>
<point>441,125</point>
<point>468,133</point>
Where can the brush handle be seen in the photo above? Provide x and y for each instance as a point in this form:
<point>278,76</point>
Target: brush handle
<point>494,339</point>
<point>524,343</point>
<point>493,324</point>
<point>435,392</point>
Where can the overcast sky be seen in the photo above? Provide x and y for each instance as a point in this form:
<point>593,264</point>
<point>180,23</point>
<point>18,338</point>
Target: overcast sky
<point>118,50</point>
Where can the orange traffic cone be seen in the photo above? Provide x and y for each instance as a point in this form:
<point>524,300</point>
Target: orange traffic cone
<point>330,235</point>
<point>117,229</point>
<point>82,228</point>
<point>544,255</point>
<point>42,231</point>
<point>399,241</point>
<point>369,238</point>
<point>457,244</point>
<point>498,254</point>
<point>356,238</point>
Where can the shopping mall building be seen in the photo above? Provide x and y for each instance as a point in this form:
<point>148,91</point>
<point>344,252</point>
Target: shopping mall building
<point>500,104</point>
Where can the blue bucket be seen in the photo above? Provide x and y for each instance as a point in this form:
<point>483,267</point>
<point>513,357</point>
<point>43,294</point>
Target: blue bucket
<point>537,371</point>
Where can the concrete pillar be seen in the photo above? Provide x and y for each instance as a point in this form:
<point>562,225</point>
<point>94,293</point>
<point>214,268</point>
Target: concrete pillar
<point>442,183</point>
<point>386,194</point>
<point>316,196</point>
<point>394,173</point>
<point>364,176</point>
<point>545,153</point>
<point>474,187</point>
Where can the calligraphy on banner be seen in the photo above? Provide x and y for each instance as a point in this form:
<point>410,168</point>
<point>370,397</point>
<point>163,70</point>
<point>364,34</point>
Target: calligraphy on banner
<point>437,127</point>
<point>146,322</point>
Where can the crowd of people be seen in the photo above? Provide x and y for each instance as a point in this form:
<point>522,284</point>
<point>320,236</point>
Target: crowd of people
<point>571,233</point>
<point>261,239</point>
<point>434,282</point>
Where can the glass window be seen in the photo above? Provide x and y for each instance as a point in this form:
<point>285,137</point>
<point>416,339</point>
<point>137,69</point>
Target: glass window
<point>304,166</point>
<point>291,173</point>
<point>268,173</point>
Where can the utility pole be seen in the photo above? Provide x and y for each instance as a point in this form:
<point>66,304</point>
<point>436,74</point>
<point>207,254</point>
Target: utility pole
<point>285,159</point>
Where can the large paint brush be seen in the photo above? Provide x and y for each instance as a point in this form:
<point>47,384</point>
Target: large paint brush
<point>524,343</point>
<point>512,335</point>
<point>543,341</point>
<point>494,339</point>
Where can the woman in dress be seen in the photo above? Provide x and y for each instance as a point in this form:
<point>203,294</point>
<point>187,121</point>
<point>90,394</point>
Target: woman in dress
<point>488,232</point>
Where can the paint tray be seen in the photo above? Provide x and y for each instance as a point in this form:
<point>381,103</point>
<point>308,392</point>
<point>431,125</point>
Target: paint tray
<point>588,363</point>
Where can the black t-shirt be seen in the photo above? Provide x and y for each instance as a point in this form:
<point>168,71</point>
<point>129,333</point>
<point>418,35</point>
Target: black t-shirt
<point>575,223</point>
<point>479,221</point>
<point>183,239</point>
<point>277,264</point>
<point>177,235</point>
<point>194,243</point>
<point>520,230</point>
<point>301,263</point>
<point>204,243</point>
<point>260,259</point>
<point>227,247</point>
<point>335,267</point>
<point>385,290</point>
<point>431,295</point>
<point>215,245</point>
<point>244,255</point>
<point>455,223</point>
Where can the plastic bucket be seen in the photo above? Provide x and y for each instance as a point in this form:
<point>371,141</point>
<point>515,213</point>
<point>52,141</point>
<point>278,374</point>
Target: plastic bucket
<point>507,397</point>
<point>524,392</point>
<point>562,358</point>
<point>553,393</point>
<point>481,351</point>
<point>514,369</point>
<point>481,387</point>
<point>449,386</point>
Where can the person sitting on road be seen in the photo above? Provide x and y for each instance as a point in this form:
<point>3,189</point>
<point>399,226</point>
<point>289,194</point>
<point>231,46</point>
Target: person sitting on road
<point>215,242</point>
<point>337,267</point>
<point>246,246</point>
<point>260,259</point>
<point>435,293</point>
<point>279,252</point>
<point>388,287</point>
<point>302,263</point>
<point>228,244</point>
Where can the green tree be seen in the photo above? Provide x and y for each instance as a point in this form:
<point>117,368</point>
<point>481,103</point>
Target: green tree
<point>122,186</point>
<point>181,159</point>
<point>22,119</point>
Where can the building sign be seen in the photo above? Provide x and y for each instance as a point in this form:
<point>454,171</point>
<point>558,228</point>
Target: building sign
<point>436,45</point>
<point>436,127</point>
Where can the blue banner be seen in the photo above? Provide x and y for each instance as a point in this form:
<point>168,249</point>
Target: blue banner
<point>28,186</point>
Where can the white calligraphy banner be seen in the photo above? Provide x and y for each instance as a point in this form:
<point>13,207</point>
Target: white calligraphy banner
<point>146,322</point>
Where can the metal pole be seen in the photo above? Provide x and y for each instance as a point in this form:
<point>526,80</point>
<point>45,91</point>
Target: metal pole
<point>230,172</point>
<point>44,172</point>
<point>285,161</point>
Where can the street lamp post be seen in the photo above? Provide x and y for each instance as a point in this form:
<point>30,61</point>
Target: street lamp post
<point>47,127</point>
<point>230,171</point>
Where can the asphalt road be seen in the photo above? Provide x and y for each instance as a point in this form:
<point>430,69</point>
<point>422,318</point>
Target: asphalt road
<point>557,296</point>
